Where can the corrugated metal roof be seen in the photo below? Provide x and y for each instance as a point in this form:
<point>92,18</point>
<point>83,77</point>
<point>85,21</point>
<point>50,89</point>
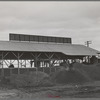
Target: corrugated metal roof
<point>68,49</point>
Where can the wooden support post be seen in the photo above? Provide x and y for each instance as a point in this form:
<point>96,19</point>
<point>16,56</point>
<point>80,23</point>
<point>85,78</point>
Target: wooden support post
<point>2,73</point>
<point>3,56</point>
<point>18,65</point>
<point>50,65</point>
<point>35,62</point>
<point>21,63</point>
<point>10,69</point>
<point>49,58</point>
<point>88,59</point>
<point>31,63</point>
<point>25,63</point>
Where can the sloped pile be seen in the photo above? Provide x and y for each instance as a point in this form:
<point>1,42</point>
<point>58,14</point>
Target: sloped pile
<point>81,73</point>
<point>73,76</point>
<point>30,79</point>
<point>92,71</point>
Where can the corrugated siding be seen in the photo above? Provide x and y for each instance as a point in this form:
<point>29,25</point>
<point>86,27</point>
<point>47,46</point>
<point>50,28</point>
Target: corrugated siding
<point>68,49</point>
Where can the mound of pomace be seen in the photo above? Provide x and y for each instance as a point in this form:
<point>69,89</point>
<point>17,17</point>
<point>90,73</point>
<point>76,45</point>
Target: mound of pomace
<point>71,76</point>
<point>30,79</point>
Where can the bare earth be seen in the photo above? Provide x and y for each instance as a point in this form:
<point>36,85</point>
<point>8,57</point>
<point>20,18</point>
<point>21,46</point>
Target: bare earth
<point>84,91</point>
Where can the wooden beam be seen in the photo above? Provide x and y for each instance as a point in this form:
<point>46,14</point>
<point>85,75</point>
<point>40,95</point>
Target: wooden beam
<point>57,56</point>
<point>15,55</point>
<point>32,55</point>
<point>38,55</point>
<point>21,55</point>
<point>49,56</point>
<point>13,61</point>
<point>5,55</point>
<point>6,63</point>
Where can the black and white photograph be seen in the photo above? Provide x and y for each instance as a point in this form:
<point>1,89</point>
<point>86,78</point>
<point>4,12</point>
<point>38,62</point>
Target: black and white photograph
<point>49,50</point>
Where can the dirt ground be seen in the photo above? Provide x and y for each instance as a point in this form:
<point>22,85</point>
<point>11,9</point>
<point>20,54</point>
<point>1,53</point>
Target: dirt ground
<point>87,90</point>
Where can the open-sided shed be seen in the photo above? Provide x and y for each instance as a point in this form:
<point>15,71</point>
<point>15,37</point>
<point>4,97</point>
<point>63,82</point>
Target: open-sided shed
<point>20,52</point>
<point>26,52</point>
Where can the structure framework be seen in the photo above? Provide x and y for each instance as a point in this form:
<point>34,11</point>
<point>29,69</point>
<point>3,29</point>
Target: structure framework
<point>18,56</point>
<point>25,61</point>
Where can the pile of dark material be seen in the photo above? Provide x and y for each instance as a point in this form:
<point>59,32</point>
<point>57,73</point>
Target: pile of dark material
<point>81,73</point>
<point>73,76</point>
<point>91,71</point>
<point>30,79</point>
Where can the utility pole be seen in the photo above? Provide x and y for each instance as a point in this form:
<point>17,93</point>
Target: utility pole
<point>87,43</point>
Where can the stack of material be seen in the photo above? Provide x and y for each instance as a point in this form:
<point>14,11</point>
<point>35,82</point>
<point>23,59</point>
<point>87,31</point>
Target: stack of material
<point>30,79</point>
<point>73,76</point>
<point>92,71</point>
<point>81,73</point>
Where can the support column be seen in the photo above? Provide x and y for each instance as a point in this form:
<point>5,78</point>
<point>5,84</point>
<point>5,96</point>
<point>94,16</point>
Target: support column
<point>3,56</point>
<point>25,63</point>
<point>50,65</point>
<point>49,56</point>
<point>10,68</point>
<point>2,72</point>
<point>35,62</point>
<point>21,63</point>
<point>18,65</point>
<point>35,58</point>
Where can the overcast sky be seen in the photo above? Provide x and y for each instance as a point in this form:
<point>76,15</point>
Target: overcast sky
<point>79,20</point>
